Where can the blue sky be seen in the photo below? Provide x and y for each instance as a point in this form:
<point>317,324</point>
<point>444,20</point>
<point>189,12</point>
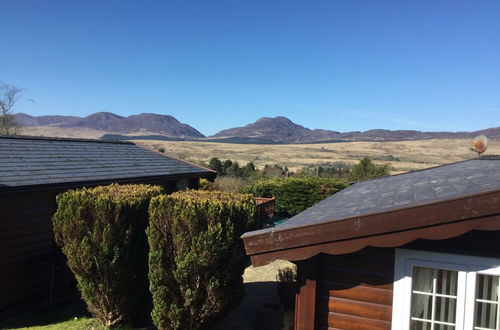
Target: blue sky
<point>340,65</point>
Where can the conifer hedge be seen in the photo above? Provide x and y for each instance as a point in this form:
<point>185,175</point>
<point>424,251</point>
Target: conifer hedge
<point>102,233</point>
<point>196,256</point>
<point>294,194</point>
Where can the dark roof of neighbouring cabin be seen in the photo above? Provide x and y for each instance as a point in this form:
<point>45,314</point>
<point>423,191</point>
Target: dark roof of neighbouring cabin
<point>30,161</point>
<point>401,191</point>
<point>435,203</point>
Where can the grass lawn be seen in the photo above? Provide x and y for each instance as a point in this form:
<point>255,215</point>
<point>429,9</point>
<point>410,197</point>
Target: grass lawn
<point>68,314</point>
<point>76,323</point>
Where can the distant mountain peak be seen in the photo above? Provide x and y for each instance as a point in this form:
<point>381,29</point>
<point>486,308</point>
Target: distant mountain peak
<point>107,121</point>
<point>282,130</point>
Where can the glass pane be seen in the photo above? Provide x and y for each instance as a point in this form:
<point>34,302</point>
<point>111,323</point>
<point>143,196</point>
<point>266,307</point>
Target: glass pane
<point>445,309</point>
<point>487,287</point>
<point>446,282</point>
<point>421,306</point>
<point>486,315</point>
<point>443,327</point>
<point>486,310</point>
<point>422,279</point>
<point>420,325</point>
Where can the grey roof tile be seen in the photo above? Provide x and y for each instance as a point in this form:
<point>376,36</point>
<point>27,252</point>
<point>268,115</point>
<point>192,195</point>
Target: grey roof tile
<point>404,190</point>
<point>27,161</point>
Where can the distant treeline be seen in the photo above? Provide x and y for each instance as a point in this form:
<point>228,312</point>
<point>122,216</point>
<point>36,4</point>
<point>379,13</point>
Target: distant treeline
<point>365,169</point>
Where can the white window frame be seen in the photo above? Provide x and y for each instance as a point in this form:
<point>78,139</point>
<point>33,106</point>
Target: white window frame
<point>467,266</point>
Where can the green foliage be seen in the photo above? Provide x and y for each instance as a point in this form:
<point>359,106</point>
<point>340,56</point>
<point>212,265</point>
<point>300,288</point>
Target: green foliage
<point>294,194</point>
<point>231,169</point>
<point>204,184</point>
<point>102,233</point>
<point>327,170</point>
<point>366,169</point>
<point>196,257</point>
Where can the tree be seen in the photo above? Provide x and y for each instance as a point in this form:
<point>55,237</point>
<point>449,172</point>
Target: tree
<point>215,164</point>
<point>9,95</point>
<point>366,169</point>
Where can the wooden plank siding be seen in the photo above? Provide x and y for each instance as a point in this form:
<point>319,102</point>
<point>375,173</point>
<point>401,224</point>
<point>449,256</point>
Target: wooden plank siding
<point>354,291</point>
<point>27,244</point>
<point>25,238</point>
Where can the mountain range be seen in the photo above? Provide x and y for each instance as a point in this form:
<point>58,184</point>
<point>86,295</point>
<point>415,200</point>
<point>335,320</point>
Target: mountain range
<point>264,130</point>
<point>147,123</point>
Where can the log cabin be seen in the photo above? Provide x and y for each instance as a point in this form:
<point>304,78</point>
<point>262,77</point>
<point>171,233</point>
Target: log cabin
<point>33,170</point>
<point>419,250</point>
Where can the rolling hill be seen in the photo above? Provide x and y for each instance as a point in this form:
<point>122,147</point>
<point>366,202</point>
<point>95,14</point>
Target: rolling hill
<point>278,130</point>
<point>144,123</point>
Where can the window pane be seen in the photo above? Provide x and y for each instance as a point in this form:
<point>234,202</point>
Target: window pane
<point>446,282</point>
<point>486,306</point>
<point>445,309</point>
<point>420,325</point>
<point>487,287</point>
<point>421,306</point>
<point>443,327</point>
<point>423,279</point>
<point>486,315</point>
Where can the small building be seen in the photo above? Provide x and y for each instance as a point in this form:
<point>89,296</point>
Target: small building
<point>419,250</point>
<point>33,170</point>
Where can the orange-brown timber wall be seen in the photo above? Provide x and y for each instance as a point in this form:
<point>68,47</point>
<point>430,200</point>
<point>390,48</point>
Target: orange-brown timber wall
<point>354,291</point>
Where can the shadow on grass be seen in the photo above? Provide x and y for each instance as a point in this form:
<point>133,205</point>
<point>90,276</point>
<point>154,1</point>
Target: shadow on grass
<point>42,315</point>
<point>243,317</point>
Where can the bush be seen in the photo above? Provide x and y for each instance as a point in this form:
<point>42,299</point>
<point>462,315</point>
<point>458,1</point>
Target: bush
<point>102,233</point>
<point>366,169</point>
<point>196,257</point>
<point>294,194</point>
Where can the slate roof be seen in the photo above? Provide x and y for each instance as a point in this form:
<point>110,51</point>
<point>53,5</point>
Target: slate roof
<point>28,161</point>
<point>400,191</point>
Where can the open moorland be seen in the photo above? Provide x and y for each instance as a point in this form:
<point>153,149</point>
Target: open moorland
<point>402,156</point>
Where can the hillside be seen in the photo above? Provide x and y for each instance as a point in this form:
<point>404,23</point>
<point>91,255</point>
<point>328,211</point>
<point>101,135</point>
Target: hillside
<point>401,156</point>
<point>145,123</point>
<point>278,130</point>
<point>283,130</point>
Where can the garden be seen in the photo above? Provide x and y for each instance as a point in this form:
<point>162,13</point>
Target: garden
<point>145,259</point>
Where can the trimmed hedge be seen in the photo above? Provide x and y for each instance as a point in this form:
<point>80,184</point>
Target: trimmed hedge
<point>294,194</point>
<point>102,233</point>
<point>196,256</point>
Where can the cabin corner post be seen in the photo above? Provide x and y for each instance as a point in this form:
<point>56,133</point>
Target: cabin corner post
<point>305,300</point>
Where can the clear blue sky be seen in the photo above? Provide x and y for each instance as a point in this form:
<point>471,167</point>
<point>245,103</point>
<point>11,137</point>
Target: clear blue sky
<point>340,65</point>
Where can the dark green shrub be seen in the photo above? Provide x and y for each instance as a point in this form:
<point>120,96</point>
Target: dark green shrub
<point>366,169</point>
<point>102,233</point>
<point>196,257</point>
<point>294,194</point>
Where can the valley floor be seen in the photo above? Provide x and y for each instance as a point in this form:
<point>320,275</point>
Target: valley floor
<point>401,156</point>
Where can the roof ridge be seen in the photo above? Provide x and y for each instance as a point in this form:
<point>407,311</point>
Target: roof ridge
<point>66,139</point>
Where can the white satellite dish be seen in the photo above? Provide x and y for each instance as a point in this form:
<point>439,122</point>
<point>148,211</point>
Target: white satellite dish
<point>479,144</point>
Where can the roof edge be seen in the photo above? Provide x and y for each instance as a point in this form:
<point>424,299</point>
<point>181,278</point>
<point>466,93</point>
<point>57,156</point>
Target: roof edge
<point>443,211</point>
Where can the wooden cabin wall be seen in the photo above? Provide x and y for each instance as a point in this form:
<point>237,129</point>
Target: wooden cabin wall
<point>354,291</point>
<point>25,239</point>
<point>27,247</point>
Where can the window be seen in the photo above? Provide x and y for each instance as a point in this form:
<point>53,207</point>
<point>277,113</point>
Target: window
<point>438,291</point>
